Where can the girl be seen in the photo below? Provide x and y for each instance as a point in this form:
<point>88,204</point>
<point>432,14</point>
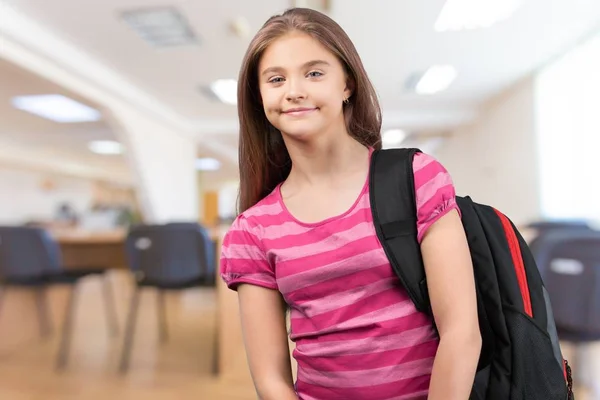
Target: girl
<point>305,240</point>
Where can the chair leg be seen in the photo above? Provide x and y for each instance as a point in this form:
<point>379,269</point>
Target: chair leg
<point>67,330</point>
<point>162,317</point>
<point>41,301</point>
<point>216,353</point>
<point>129,330</point>
<point>2,291</point>
<point>109,303</point>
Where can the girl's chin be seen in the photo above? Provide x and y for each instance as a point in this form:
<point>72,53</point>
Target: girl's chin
<point>298,133</point>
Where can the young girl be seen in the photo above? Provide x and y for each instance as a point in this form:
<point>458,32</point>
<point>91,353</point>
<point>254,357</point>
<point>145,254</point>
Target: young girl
<point>305,240</point>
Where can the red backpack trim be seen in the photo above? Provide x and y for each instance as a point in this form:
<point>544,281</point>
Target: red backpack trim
<point>515,252</point>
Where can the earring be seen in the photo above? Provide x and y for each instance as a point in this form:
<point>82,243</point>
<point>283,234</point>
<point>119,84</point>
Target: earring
<point>346,100</point>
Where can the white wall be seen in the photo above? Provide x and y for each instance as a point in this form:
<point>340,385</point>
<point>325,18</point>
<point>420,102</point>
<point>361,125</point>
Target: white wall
<point>30,195</point>
<point>495,159</point>
<point>228,199</point>
<point>568,119</point>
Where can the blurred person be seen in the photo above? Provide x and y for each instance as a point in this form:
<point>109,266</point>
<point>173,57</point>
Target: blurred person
<point>65,214</point>
<point>305,239</point>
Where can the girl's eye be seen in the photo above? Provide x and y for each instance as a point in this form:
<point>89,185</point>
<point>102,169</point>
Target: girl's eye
<point>276,80</point>
<point>314,74</point>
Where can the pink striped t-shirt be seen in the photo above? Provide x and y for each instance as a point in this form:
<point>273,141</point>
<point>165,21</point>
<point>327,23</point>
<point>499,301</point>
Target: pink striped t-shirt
<point>357,333</point>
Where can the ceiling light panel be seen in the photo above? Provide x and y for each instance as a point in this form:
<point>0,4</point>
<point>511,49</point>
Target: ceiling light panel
<point>224,90</point>
<point>436,79</point>
<point>161,27</point>
<point>57,108</point>
<point>459,15</point>
<point>106,147</point>
<point>207,164</point>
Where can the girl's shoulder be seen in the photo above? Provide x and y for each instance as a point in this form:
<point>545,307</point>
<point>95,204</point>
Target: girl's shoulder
<point>260,214</point>
<point>243,256</point>
<point>430,174</point>
<point>427,162</point>
<point>435,193</point>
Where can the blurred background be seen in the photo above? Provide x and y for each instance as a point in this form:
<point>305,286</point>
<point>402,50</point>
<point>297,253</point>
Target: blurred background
<point>118,171</point>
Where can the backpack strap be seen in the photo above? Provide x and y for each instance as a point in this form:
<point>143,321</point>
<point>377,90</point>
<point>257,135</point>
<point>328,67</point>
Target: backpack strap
<point>392,198</point>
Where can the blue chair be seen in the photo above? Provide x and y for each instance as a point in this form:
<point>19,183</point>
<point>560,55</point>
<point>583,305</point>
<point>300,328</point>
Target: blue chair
<point>569,263</point>
<point>174,256</point>
<point>29,257</point>
<point>571,224</point>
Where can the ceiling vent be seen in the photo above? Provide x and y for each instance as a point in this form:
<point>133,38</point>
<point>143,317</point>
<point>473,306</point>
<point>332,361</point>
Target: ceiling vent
<point>162,27</point>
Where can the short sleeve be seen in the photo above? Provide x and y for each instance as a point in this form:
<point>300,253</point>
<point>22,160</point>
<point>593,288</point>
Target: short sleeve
<point>243,259</point>
<point>434,192</point>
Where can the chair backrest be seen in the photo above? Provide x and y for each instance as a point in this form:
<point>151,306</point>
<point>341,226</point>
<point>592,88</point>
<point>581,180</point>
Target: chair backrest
<point>27,252</point>
<point>569,263</point>
<point>172,253</point>
<point>545,226</point>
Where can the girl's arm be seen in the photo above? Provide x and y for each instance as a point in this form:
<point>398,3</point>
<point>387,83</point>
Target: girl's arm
<point>265,337</point>
<point>451,286</point>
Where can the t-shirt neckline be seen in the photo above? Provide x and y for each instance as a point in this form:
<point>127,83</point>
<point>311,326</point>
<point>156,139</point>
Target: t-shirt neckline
<point>332,218</point>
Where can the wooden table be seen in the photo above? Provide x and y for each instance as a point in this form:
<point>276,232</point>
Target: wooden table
<point>104,249</point>
<point>82,249</point>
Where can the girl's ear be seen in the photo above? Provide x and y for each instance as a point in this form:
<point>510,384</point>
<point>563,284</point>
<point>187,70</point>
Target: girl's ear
<point>349,91</point>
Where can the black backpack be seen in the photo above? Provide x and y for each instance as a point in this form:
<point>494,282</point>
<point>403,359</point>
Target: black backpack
<point>520,357</point>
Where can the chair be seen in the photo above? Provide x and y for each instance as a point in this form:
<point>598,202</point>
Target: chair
<point>165,257</point>
<point>569,263</point>
<point>544,226</point>
<point>29,257</point>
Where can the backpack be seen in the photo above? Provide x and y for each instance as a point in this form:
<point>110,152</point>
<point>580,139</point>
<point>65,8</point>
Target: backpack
<point>520,357</point>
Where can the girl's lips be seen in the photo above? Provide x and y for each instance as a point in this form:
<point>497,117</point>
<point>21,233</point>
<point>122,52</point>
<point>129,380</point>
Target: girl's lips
<point>299,111</point>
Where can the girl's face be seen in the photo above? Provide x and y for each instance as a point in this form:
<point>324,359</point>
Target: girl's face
<point>303,86</point>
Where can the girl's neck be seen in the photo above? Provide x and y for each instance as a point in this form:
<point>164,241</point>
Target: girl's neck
<point>325,161</point>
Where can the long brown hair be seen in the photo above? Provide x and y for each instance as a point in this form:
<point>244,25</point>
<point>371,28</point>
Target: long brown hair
<point>264,161</point>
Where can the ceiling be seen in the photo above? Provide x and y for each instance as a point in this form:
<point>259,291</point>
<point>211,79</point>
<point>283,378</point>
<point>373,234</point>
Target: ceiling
<point>56,143</point>
<point>395,39</point>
